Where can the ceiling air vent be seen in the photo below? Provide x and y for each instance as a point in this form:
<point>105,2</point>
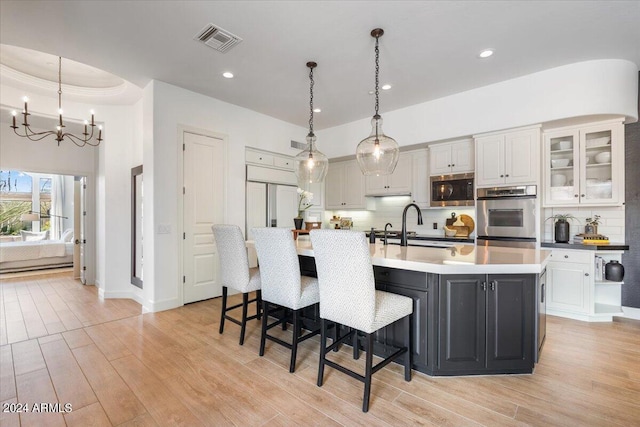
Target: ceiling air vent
<point>298,145</point>
<point>217,38</point>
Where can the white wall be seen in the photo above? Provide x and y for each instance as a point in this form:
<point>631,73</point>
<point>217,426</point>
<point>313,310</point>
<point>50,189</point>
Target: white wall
<point>581,89</point>
<point>173,107</point>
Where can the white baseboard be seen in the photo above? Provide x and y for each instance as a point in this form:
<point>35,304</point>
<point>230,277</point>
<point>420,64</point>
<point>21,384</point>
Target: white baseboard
<point>631,312</point>
<point>162,305</point>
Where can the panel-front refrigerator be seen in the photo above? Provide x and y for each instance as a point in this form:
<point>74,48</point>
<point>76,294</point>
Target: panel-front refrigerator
<point>270,205</point>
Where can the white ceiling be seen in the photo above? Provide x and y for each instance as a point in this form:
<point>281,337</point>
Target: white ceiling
<point>429,49</point>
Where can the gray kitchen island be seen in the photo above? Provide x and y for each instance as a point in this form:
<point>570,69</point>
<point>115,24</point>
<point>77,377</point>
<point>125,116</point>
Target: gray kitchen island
<point>477,310</point>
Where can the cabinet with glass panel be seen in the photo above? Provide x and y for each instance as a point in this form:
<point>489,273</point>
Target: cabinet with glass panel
<point>584,165</point>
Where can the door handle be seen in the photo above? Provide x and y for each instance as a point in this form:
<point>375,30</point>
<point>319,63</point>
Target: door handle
<point>77,242</point>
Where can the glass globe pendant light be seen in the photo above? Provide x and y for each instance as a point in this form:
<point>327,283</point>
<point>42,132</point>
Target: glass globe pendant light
<point>310,165</point>
<point>378,153</point>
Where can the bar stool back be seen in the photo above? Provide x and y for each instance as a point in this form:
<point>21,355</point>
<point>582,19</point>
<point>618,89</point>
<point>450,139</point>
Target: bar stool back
<point>348,296</point>
<point>283,286</point>
<point>236,274</point>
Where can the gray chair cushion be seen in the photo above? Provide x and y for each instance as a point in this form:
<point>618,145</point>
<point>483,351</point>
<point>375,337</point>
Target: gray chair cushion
<point>347,284</point>
<point>280,270</point>
<point>234,263</point>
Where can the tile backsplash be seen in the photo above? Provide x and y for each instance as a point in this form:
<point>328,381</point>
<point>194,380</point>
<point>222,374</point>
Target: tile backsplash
<point>389,209</point>
<point>611,221</point>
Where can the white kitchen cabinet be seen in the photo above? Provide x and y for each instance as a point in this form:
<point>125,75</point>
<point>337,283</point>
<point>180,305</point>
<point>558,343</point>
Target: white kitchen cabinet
<point>575,291</point>
<point>398,183</point>
<point>265,158</point>
<point>451,157</point>
<point>344,186</point>
<point>584,165</point>
<point>420,178</point>
<point>508,158</point>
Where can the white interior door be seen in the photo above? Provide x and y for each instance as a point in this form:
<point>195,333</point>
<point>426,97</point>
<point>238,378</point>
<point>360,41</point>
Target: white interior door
<point>286,205</point>
<point>77,185</point>
<point>256,206</point>
<point>203,170</point>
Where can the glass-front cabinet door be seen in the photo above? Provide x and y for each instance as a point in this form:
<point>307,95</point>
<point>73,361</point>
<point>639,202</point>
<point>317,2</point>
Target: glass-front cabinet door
<point>597,184</point>
<point>562,172</point>
<point>584,165</point>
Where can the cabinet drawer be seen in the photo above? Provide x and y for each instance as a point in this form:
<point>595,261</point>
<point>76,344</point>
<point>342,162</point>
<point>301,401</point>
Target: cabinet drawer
<point>583,257</point>
<point>283,162</point>
<point>413,279</point>
<point>261,158</point>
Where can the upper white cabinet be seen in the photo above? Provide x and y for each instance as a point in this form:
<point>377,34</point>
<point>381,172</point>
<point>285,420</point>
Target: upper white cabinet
<point>398,183</point>
<point>344,186</point>
<point>451,157</point>
<point>584,165</point>
<point>508,158</point>
<point>420,178</point>
<point>265,158</point>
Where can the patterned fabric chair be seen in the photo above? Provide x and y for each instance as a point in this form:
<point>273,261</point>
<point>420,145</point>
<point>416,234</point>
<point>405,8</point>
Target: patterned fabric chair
<point>236,274</point>
<point>348,296</point>
<point>283,287</point>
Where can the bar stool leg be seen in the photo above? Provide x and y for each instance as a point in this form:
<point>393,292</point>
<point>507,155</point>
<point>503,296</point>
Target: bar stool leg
<point>243,325</point>
<point>224,309</point>
<point>407,343</point>
<point>263,334</point>
<point>367,372</point>
<point>258,303</point>
<point>323,350</point>
<point>294,343</point>
<point>356,344</point>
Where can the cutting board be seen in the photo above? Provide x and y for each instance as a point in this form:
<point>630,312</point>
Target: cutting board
<point>462,230</point>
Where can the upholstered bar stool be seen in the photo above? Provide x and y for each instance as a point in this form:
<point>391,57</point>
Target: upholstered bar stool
<point>348,296</point>
<point>283,287</point>
<point>236,274</point>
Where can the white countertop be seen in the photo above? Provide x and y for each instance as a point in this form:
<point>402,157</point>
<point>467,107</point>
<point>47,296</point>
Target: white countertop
<point>457,259</point>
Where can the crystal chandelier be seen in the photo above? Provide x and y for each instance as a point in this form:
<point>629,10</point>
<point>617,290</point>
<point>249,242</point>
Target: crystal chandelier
<point>310,165</point>
<point>60,135</point>
<point>378,153</point>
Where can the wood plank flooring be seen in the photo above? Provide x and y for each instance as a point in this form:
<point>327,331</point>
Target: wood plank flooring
<point>115,366</point>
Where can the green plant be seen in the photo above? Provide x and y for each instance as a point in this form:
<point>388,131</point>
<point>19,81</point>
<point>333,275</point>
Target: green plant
<point>304,197</point>
<point>562,217</point>
<point>595,221</point>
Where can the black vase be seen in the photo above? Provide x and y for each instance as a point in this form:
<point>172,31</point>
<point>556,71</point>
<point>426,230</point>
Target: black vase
<point>614,271</point>
<point>562,231</point>
<point>298,223</point>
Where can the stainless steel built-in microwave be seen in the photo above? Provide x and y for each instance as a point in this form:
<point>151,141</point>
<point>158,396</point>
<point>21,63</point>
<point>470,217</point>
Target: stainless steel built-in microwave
<point>452,190</point>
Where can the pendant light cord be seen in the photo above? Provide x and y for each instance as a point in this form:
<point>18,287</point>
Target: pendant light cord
<point>311,100</point>
<point>377,72</point>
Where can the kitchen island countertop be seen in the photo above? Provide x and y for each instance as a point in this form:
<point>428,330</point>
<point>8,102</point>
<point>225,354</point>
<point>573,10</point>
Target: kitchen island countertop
<point>459,259</point>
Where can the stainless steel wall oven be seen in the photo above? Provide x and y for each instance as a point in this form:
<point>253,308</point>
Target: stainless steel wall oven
<point>507,216</point>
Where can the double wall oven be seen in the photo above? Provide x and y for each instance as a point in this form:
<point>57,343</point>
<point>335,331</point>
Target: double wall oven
<point>507,216</point>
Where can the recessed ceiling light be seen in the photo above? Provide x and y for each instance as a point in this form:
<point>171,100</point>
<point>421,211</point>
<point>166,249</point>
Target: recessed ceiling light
<point>371,92</point>
<point>317,110</point>
<point>227,75</point>
<point>386,87</point>
<point>486,53</point>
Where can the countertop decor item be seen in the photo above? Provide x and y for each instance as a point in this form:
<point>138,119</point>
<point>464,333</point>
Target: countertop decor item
<point>591,227</point>
<point>378,153</point>
<point>85,138</point>
<point>310,164</point>
<point>561,227</point>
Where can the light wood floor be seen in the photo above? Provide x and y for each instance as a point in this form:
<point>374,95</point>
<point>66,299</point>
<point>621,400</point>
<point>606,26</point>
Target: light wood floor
<point>173,368</point>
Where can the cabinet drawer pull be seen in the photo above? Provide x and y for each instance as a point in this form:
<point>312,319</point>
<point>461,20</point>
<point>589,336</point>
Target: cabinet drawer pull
<point>582,195</point>
<point>501,176</point>
<point>483,285</point>
<point>586,274</point>
<point>566,256</point>
<point>452,165</point>
<point>575,195</point>
<point>507,175</point>
<point>493,285</point>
